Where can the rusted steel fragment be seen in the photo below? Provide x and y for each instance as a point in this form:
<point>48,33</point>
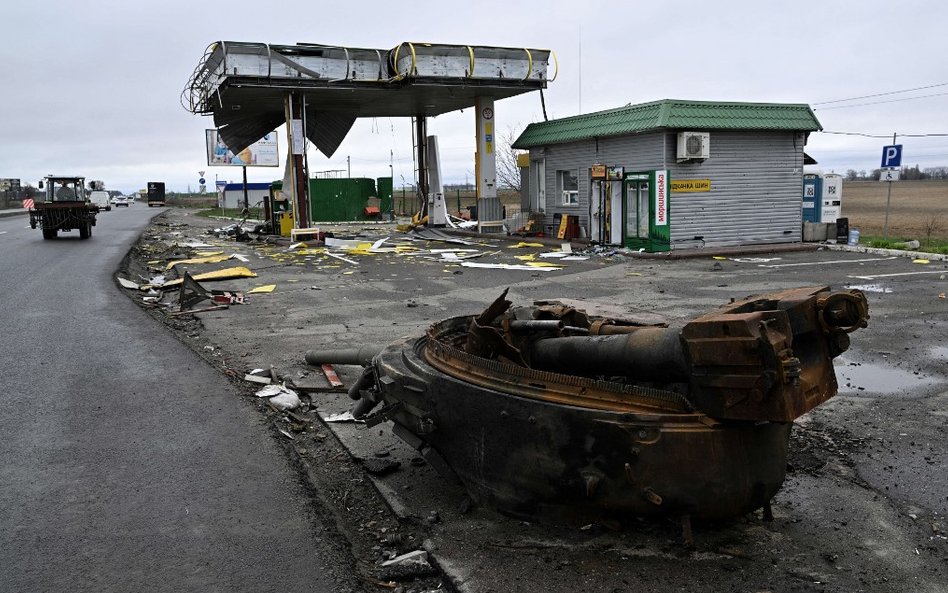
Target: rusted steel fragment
<point>551,412</point>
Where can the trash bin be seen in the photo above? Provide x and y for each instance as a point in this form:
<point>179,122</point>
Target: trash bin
<point>842,230</point>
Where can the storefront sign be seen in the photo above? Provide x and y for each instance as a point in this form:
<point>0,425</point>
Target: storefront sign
<point>614,173</point>
<point>690,185</point>
<point>597,172</point>
<point>661,198</point>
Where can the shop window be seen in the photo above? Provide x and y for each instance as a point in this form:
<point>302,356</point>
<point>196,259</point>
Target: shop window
<point>567,185</point>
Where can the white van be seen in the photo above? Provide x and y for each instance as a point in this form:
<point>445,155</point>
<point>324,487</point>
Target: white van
<point>100,199</point>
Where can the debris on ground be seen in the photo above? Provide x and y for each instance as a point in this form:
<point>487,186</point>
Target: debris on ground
<point>281,397</point>
<point>125,283</point>
<point>407,566</point>
<point>380,466</point>
<point>266,288</point>
<point>257,376</point>
<point>343,417</point>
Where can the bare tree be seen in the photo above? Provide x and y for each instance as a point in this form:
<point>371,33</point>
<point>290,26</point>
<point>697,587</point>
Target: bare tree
<point>508,173</point>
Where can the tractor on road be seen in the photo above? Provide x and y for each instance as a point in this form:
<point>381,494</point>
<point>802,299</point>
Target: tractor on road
<point>64,207</point>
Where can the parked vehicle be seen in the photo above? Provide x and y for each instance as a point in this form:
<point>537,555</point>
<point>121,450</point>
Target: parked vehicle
<point>65,207</point>
<point>101,199</point>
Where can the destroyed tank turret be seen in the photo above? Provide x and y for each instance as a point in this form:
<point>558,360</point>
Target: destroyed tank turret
<point>552,411</point>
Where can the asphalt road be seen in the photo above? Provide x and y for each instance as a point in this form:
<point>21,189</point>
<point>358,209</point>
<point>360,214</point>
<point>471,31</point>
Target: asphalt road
<point>126,462</point>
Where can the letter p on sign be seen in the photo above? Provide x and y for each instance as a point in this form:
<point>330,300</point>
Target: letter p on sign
<point>892,156</point>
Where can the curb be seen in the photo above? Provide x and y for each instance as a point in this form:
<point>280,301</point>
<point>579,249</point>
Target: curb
<point>13,212</point>
<point>881,251</point>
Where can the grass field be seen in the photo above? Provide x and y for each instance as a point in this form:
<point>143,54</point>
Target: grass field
<point>919,209</point>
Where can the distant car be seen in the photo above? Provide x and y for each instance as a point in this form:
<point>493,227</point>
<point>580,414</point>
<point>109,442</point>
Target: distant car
<point>120,201</point>
<point>131,199</point>
<point>101,199</point>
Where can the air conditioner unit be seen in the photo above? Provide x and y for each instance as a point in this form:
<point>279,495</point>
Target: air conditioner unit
<point>694,145</point>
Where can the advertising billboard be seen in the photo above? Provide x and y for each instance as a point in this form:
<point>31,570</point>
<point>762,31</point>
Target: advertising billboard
<point>262,153</point>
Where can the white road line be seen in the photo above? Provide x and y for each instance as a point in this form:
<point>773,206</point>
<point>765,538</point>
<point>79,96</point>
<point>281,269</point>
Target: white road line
<point>826,263</point>
<point>899,274</point>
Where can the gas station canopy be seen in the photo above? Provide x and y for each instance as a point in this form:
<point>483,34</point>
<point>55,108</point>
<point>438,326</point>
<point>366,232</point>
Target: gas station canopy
<point>245,86</point>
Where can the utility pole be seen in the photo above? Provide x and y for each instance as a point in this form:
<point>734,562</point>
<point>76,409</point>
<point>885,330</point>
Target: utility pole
<point>349,167</point>
<point>888,201</point>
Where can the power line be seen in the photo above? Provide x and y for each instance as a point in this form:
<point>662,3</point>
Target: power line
<point>884,135</point>
<point>880,102</point>
<point>921,88</point>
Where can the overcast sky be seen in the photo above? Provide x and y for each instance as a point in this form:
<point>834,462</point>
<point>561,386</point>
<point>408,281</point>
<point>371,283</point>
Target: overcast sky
<point>93,89</point>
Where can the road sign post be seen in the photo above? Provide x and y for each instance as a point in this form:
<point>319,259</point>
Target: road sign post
<point>891,163</point>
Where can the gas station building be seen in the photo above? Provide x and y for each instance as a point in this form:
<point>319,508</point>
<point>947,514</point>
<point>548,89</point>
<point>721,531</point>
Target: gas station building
<point>671,174</point>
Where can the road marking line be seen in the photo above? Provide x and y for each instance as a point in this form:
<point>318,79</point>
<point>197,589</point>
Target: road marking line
<point>826,263</point>
<point>899,274</point>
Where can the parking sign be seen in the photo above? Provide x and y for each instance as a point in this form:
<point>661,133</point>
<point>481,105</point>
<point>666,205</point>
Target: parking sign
<point>892,156</point>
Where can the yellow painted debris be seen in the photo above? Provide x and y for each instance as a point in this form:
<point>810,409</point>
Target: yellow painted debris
<point>211,259</point>
<point>530,257</point>
<point>718,257</point>
<point>262,289</point>
<point>207,253</point>
<point>543,264</point>
<point>523,244</point>
<point>920,261</point>
<point>225,274</point>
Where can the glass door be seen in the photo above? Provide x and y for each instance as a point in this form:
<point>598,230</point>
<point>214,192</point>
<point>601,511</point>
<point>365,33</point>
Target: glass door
<point>637,210</point>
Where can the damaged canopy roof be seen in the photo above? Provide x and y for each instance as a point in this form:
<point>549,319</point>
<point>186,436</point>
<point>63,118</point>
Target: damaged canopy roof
<point>244,85</point>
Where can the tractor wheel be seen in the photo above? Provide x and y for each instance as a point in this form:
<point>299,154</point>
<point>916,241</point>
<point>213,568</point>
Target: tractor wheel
<point>85,231</point>
<point>49,233</point>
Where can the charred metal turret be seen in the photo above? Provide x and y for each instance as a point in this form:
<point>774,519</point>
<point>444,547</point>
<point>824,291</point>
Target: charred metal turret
<point>550,410</point>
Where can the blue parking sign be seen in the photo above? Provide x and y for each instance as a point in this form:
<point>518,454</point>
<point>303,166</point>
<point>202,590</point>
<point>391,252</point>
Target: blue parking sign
<point>892,156</point>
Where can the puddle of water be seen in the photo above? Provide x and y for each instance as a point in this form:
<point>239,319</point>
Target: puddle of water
<point>863,377</point>
<point>871,288</point>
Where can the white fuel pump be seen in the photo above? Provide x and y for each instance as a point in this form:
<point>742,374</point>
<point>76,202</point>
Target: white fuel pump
<point>437,208</point>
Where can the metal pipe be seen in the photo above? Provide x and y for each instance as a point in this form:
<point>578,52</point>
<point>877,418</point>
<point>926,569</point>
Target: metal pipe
<point>362,355</point>
<point>649,354</point>
<point>536,325</point>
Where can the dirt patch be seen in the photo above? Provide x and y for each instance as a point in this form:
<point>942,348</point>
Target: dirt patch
<point>916,207</point>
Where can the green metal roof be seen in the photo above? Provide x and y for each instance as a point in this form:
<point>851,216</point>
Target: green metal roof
<point>671,114</point>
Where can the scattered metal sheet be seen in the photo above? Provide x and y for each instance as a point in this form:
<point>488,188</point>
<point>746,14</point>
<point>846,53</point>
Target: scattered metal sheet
<point>331,375</point>
<point>225,274</point>
<point>266,288</point>
<point>261,379</point>
<point>429,234</point>
<point>125,283</point>
<point>551,268</point>
<point>210,259</point>
<point>341,258</point>
<point>190,292</point>
<point>343,417</point>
